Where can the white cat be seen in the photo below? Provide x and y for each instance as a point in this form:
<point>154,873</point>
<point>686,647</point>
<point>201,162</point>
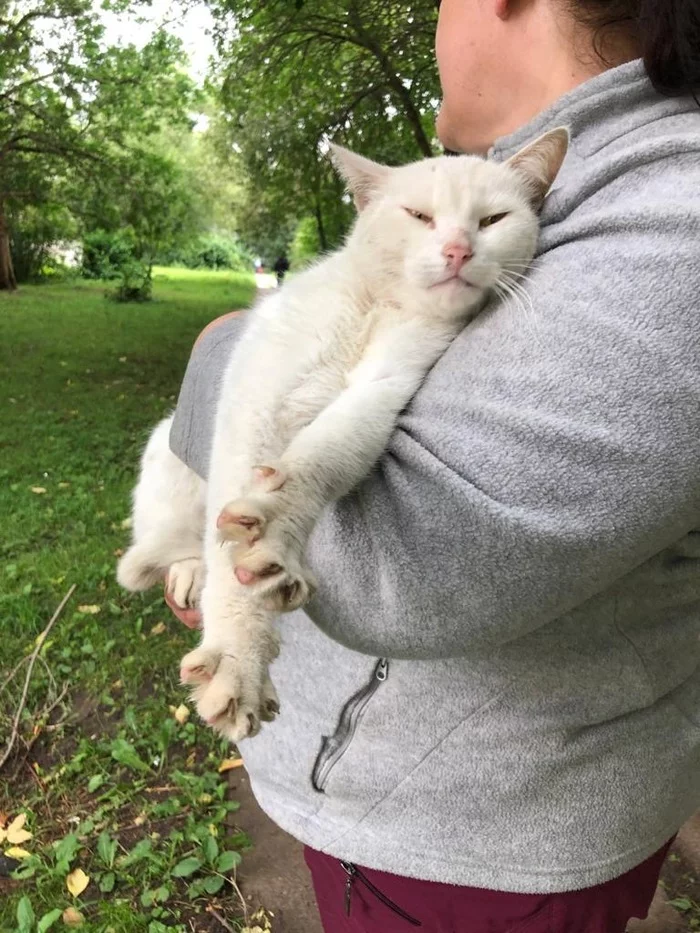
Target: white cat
<point>310,397</point>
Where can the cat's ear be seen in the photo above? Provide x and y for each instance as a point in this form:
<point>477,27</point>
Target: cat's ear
<point>539,162</point>
<point>364,177</point>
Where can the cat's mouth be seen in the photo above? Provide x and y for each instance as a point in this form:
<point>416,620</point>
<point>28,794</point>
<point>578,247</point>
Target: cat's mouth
<point>454,280</point>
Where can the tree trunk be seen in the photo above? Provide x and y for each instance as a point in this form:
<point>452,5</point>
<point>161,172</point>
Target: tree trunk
<point>322,239</point>
<point>7,272</point>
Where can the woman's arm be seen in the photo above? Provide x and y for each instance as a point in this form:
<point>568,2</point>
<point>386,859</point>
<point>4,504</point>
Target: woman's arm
<point>551,450</point>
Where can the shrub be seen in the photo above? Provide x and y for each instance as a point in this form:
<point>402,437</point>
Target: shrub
<point>105,254</point>
<point>210,251</point>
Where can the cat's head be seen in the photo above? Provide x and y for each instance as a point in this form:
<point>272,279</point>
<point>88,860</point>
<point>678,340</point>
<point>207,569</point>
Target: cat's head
<point>450,229</point>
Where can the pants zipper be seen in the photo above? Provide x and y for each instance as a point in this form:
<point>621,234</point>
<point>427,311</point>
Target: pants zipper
<point>356,874</point>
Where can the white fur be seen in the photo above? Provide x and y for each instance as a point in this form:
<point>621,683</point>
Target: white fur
<point>312,392</point>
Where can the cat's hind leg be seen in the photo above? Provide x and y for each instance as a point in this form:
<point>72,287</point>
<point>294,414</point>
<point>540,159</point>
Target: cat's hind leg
<point>167,521</point>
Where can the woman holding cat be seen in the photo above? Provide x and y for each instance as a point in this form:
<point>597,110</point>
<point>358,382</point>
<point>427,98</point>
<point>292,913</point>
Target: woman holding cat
<point>491,711</point>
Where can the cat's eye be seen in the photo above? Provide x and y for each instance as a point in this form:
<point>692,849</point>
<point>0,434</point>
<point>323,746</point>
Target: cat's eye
<point>490,221</point>
<point>424,218</point>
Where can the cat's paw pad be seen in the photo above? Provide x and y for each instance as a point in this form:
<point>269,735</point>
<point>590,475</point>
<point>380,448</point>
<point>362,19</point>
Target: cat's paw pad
<point>242,521</point>
<point>269,477</point>
<point>280,582</point>
<point>184,582</point>
<point>199,666</point>
<point>236,700</point>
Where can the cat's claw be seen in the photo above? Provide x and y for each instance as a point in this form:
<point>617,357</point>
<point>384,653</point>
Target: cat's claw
<point>279,580</point>
<point>229,694</point>
<point>184,582</point>
<point>242,521</point>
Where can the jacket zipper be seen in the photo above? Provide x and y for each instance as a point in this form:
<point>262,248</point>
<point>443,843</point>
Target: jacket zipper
<point>355,874</point>
<point>334,746</point>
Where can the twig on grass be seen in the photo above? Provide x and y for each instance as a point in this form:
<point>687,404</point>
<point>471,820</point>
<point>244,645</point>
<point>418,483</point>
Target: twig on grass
<point>222,920</point>
<point>32,660</point>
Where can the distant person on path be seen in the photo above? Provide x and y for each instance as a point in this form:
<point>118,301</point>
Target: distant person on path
<point>490,713</point>
<point>281,268</point>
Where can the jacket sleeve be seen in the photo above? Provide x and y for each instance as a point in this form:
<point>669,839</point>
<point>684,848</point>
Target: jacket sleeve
<point>553,448</point>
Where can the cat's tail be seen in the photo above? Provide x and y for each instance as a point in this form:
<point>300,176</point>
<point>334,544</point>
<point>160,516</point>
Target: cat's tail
<point>140,568</point>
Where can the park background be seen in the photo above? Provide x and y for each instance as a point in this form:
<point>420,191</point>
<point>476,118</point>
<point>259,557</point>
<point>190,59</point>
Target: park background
<point>149,154</point>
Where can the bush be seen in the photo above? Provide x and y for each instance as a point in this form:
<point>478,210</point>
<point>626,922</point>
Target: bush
<point>210,251</point>
<point>106,253</point>
<point>35,233</point>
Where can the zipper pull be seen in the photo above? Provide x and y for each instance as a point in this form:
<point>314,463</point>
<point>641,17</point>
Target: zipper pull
<point>381,671</point>
<point>351,871</point>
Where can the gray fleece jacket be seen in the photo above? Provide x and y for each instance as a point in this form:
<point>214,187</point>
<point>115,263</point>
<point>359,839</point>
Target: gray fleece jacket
<point>498,683</point>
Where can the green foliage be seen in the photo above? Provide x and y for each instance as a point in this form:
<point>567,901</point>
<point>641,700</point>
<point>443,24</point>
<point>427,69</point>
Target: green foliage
<point>34,229</point>
<point>211,251</point>
<point>305,244</point>
<point>72,109</point>
<point>106,252</point>
<point>293,75</point>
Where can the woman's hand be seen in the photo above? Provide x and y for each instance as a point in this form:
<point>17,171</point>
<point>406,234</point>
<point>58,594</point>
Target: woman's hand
<point>190,617</point>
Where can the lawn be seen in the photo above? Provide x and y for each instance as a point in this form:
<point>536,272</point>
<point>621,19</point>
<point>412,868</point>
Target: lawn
<point>119,787</point>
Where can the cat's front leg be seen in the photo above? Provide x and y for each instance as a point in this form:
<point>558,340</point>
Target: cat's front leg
<point>229,671</point>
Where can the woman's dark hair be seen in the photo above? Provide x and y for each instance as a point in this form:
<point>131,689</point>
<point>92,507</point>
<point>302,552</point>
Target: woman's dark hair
<point>667,31</point>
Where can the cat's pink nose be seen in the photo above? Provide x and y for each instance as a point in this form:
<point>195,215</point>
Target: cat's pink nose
<point>457,254</point>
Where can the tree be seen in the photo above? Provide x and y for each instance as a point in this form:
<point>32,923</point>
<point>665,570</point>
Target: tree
<point>294,74</point>
<point>69,106</point>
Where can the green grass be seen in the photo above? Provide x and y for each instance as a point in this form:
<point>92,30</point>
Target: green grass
<point>110,781</point>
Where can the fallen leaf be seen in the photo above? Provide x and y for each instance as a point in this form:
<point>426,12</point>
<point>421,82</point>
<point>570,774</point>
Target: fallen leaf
<point>122,359</point>
<point>16,852</point>
<point>77,881</point>
<point>140,819</point>
<point>158,628</point>
<point>228,763</point>
<point>72,917</point>
<point>63,485</point>
<point>182,714</point>
<point>89,610</point>
<point>117,685</point>
<point>15,834</point>
<point>39,490</point>
<point>126,523</point>
<point>4,817</point>
<point>118,552</point>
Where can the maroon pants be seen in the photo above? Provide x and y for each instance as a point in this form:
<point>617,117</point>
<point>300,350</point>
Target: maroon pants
<point>382,903</point>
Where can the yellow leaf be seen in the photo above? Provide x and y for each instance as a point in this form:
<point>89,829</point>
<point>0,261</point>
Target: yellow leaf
<point>15,833</point>
<point>228,763</point>
<point>182,714</point>
<point>72,917</point>
<point>140,819</point>
<point>77,881</point>
<point>18,836</point>
<point>126,523</point>
<point>89,610</point>
<point>158,628</point>
<point>63,485</point>
<point>16,852</point>
<point>39,490</point>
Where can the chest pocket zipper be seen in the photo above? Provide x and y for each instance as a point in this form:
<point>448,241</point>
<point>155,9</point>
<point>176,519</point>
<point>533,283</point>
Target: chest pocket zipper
<point>355,874</point>
<point>334,746</point>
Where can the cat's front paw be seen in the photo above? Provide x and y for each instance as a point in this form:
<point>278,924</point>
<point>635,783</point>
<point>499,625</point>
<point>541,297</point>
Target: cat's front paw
<point>184,582</point>
<point>232,695</point>
<point>244,520</point>
<point>276,576</point>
